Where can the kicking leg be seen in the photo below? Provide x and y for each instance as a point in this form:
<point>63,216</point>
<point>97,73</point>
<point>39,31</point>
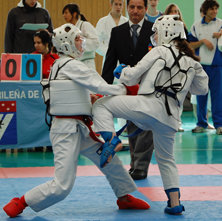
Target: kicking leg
<point>112,145</point>
<point>104,110</point>
<point>173,204</point>
<point>119,179</point>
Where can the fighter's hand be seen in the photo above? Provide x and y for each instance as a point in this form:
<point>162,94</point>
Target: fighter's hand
<point>132,90</point>
<point>118,70</point>
<point>95,97</point>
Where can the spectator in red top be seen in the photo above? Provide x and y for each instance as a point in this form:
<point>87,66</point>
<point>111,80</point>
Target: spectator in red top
<point>43,45</point>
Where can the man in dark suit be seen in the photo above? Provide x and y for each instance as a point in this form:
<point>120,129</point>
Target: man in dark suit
<point>123,47</point>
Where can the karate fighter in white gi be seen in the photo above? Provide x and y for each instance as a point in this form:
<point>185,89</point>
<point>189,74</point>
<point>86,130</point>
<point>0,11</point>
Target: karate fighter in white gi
<point>165,76</point>
<point>69,84</point>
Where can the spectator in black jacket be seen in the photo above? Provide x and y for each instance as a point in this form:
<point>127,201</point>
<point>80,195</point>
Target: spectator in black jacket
<point>124,49</point>
<point>19,40</point>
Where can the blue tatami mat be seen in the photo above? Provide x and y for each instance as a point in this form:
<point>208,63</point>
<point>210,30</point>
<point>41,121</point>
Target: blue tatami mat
<point>92,199</point>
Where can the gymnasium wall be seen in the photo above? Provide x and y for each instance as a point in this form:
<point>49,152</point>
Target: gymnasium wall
<point>95,9</point>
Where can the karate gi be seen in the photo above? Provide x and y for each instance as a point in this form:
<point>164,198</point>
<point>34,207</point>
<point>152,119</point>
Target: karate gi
<point>70,137</point>
<point>147,110</point>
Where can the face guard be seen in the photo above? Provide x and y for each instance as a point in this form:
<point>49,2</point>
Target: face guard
<point>64,40</point>
<point>168,27</point>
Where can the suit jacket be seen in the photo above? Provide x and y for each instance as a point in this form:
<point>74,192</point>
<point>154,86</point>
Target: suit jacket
<point>121,48</point>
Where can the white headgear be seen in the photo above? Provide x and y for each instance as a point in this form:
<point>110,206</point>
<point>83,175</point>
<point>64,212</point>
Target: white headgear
<point>168,27</point>
<point>64,39</point>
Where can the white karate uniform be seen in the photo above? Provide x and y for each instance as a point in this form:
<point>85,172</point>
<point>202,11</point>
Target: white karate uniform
<point>91,42</point>
<point>104,27</point>
<point>147,110</point>
<point>70,137</point>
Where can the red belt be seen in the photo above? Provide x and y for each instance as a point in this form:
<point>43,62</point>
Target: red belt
<point>88,122</point>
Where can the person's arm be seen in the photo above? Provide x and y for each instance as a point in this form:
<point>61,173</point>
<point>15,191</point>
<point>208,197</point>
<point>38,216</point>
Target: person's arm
<point>199,84</point>
<point>217,34</point>
<point>9,33</point>
<point>132,75</point>
<point>103,37</point>
<point>90,34</point>
<point>198,44</point>
<point>111,59</point>
<point>90,79</point>
<point>220,41</point>
<point>49,21</point>
<point>195,43</point>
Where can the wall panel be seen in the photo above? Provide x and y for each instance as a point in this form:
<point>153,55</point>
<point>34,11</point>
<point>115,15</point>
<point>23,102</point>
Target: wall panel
<point>93,10</point>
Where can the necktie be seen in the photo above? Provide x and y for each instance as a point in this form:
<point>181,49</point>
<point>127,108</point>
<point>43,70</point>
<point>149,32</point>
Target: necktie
<point>134,33</point>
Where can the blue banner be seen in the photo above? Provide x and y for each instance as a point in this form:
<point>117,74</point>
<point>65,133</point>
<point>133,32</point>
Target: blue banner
<point>22,116</point>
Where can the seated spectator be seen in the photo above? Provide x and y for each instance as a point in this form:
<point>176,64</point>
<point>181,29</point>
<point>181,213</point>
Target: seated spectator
<point>43,45</point>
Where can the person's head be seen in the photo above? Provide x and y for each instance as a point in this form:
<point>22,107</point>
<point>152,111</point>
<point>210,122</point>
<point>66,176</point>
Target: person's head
<point>136,10</point>
<point>153,3</point>
<point>68,40</point>
<point>42,42</point>
<point>30,3</point>
<point>71,13</point>
<point>168,27</point>
<point>201,12</point>
<point>173,9</point>
<point>117,6</point>
<point>210,8</point>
